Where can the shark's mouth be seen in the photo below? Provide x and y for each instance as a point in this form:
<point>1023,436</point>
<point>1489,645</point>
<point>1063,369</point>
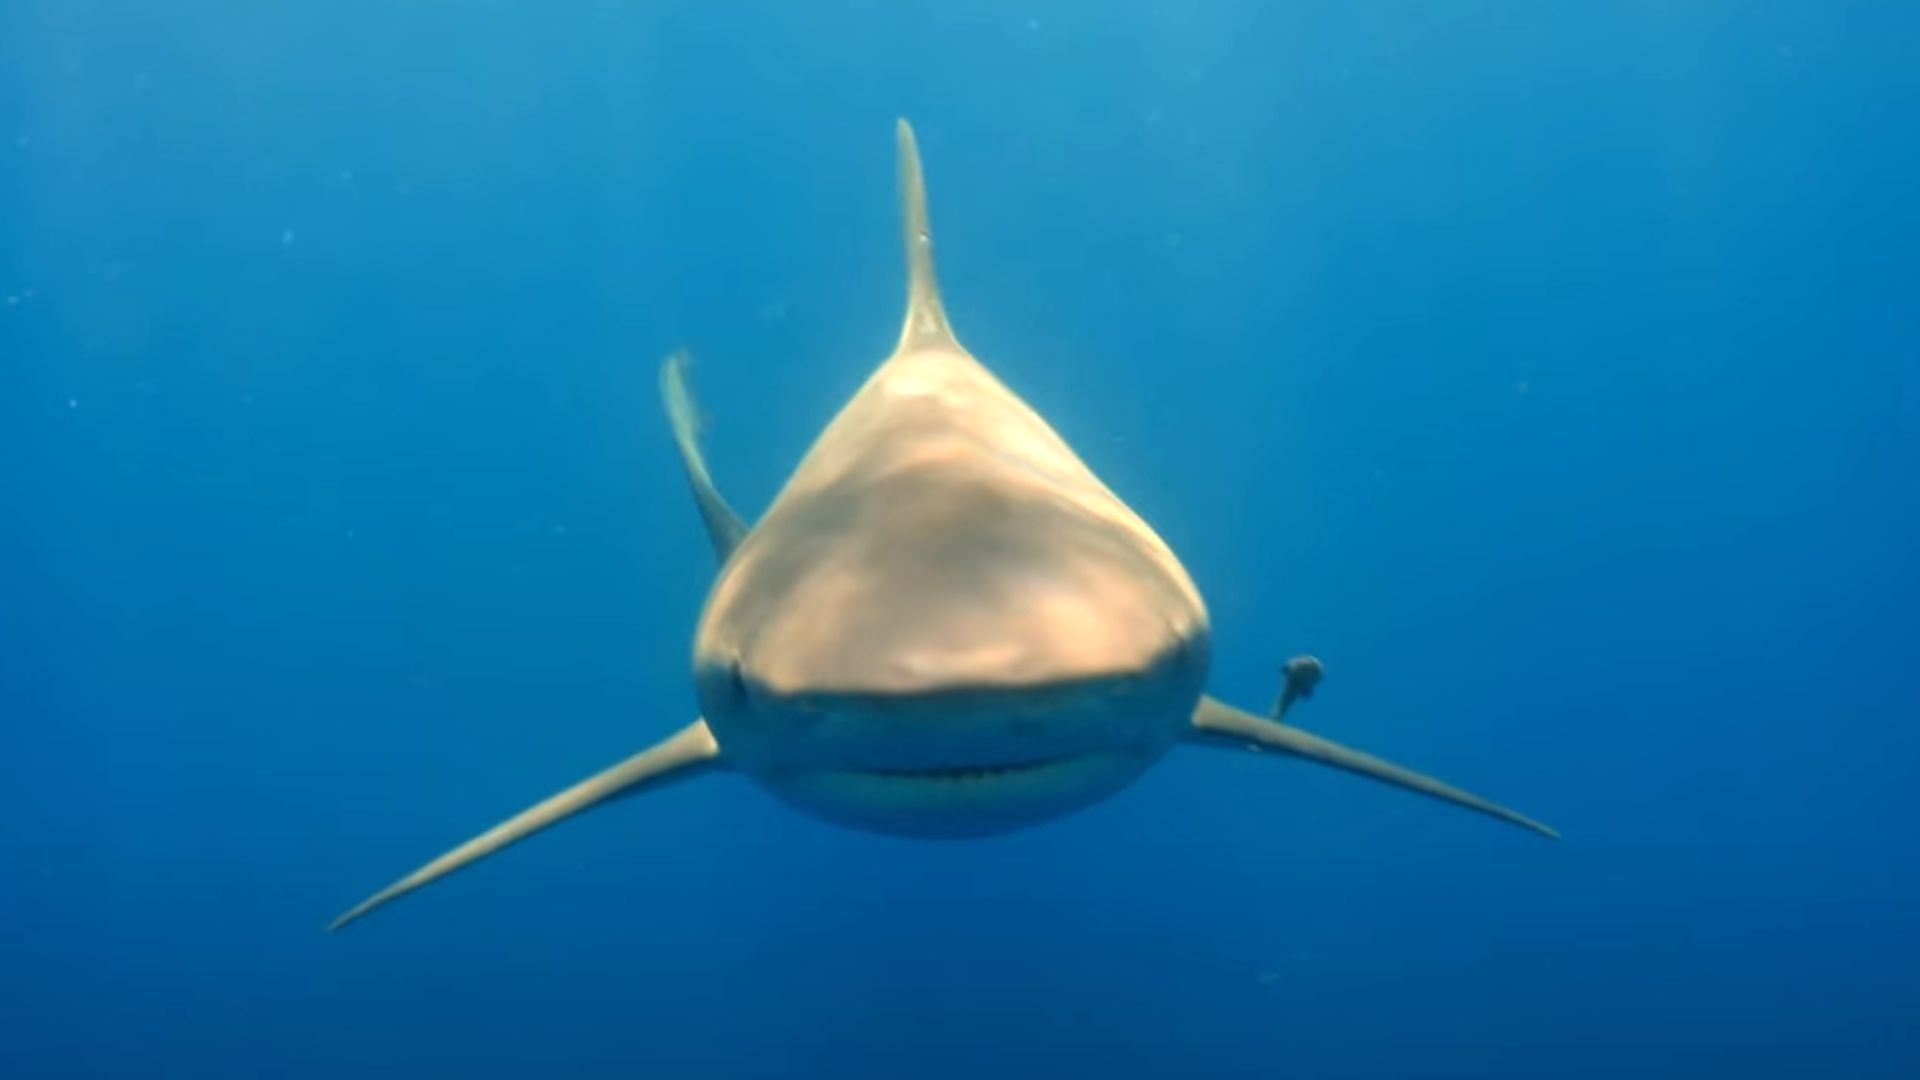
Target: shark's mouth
<point>961,774</point>
<point>972,799</point>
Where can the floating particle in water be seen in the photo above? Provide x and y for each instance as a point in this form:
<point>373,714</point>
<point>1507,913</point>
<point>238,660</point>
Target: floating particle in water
<point>286,237</point>
<point>1033,24</point>
<point>73,403</point>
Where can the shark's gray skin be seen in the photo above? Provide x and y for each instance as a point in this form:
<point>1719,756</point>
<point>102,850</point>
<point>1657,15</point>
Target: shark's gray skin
<point>944,625</point>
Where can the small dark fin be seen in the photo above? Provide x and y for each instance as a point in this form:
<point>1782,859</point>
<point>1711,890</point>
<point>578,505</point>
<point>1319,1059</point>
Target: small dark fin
<point>926,322</point>
<point>1302,674</point>
<point>724,527</point>
<point>677,757</point>
<point>1215,720</point>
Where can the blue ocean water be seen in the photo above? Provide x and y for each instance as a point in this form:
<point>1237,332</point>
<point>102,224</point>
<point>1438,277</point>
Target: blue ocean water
<point>1551,371</point>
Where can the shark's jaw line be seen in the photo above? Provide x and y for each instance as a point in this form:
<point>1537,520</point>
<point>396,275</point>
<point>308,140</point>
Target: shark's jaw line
<point>962,758</point>
<point>964,774</point>
<point>960,801</point>
<point>969,762</point>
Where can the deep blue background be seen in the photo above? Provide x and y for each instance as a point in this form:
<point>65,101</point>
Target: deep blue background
<point>1553,371</point>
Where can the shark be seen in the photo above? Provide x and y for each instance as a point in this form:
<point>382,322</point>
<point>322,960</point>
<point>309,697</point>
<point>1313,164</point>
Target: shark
<point>945,624</point>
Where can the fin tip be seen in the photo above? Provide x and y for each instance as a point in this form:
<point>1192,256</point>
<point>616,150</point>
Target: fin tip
<point>926,320</point>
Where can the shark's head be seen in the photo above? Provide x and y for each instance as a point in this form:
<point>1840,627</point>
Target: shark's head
<point>935,655</point>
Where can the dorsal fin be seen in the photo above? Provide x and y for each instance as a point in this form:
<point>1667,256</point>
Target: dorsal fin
<point>926,319</point>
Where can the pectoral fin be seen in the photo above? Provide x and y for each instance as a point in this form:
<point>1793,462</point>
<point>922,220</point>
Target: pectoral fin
<point>681,755</point>
<point>1215,721</point>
